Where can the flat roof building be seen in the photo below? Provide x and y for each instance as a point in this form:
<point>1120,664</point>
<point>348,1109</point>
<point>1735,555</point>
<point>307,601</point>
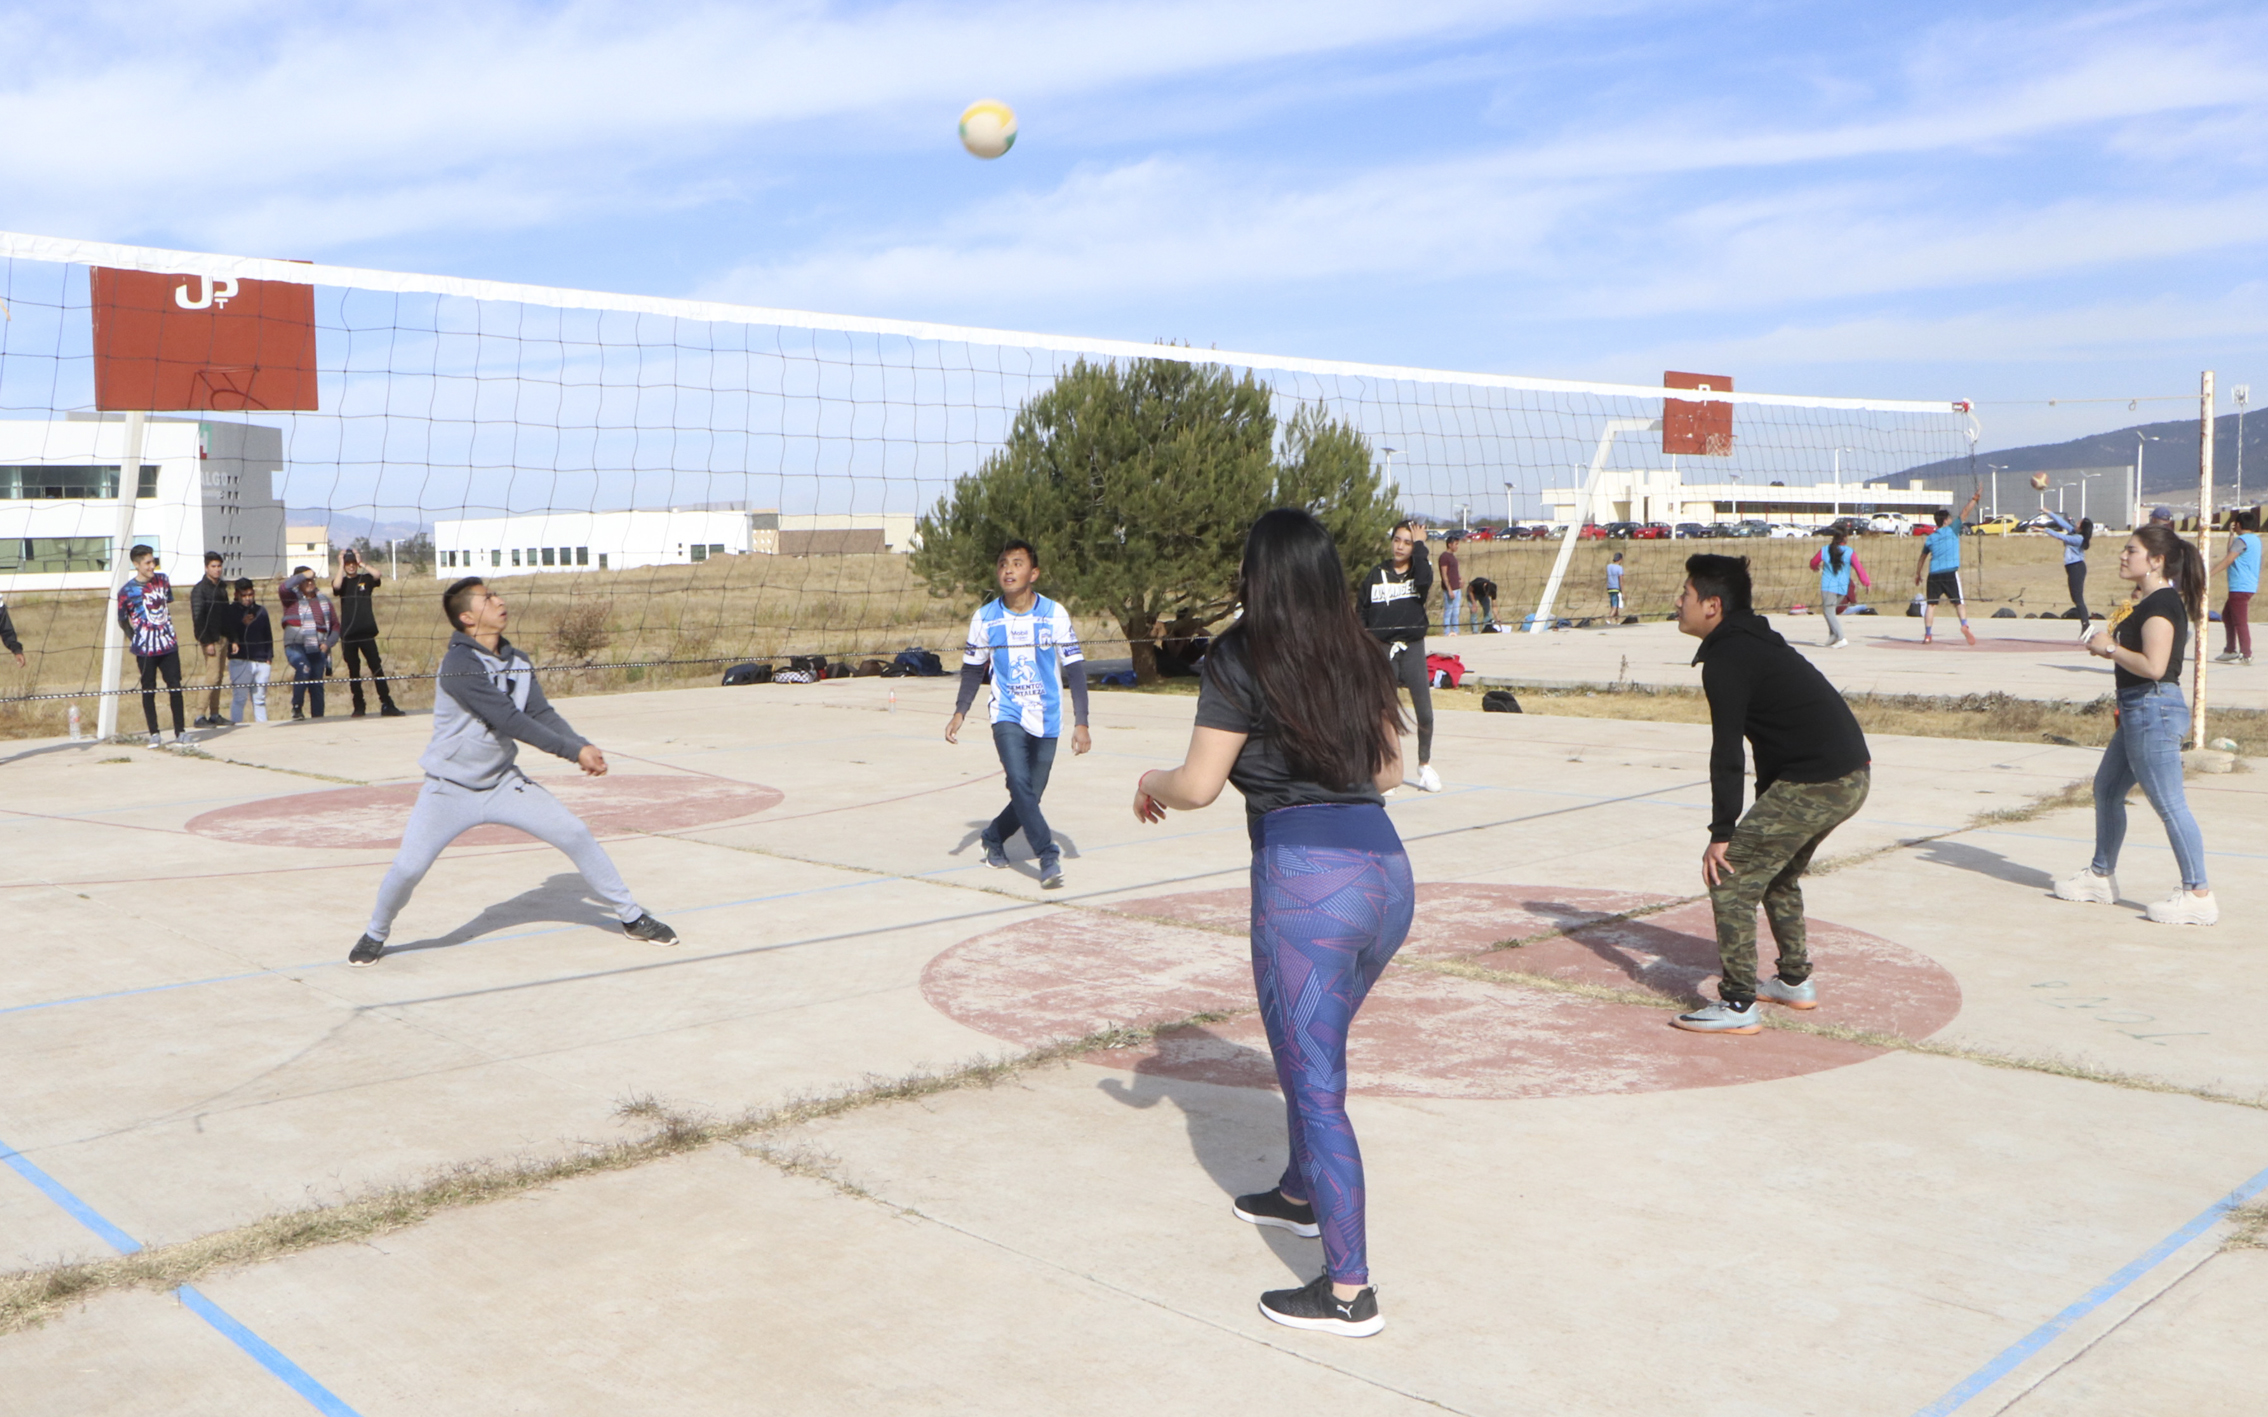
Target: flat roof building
<point>203,485</point>
<point>626,540</point>
<point>1661,495</point>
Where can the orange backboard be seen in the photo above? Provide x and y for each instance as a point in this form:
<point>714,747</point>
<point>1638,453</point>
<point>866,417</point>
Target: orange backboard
<point>169,343</point>
<point>1703,429</point>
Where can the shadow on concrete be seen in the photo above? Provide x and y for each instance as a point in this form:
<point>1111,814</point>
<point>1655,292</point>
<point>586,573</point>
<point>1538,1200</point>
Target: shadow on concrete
<point>563,899</point>
<point>1236,1134</point>
<point>1963,857</point>
<point>1020,858</point>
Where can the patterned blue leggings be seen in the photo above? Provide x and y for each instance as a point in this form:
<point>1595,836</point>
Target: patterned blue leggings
<point>1331,902</point>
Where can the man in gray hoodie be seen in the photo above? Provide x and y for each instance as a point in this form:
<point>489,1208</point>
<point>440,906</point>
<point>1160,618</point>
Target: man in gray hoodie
<point>486,697</point>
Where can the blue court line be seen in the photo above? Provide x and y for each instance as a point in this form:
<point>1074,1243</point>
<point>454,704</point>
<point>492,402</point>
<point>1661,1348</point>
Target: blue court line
<point>2092,1300</point>
<point>161,988</point>
<point>321,1398</point>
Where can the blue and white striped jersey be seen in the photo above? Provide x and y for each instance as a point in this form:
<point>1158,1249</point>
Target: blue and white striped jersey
<point>1028,653</point>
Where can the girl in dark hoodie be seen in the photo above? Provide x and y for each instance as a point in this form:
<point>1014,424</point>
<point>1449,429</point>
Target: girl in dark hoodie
<point>1391,602</point>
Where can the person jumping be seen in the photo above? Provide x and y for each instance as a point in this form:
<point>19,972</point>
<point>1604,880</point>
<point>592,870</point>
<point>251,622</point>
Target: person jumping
<point>1941,560</point>
<point>486,697</point>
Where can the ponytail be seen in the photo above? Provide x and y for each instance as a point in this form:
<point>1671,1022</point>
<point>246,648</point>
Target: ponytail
<point>1837,554</point>
<point>2086,532</point>
<point>2184,565</point>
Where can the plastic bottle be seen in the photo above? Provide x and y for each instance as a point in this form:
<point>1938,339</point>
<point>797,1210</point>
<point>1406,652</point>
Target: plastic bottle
<point>75,734</point>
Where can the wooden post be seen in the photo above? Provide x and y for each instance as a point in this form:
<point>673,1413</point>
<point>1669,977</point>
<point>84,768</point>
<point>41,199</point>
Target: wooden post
<point>2204,539</point>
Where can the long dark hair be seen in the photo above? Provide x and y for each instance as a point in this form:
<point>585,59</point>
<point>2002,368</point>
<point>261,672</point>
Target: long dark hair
<point>1328,696</point>
<point>1837,550</point>
<point>2185,568</point>
<point>2086,532</point>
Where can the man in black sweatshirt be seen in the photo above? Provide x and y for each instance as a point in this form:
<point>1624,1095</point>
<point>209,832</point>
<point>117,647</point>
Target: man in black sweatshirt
<point>1811,776</point>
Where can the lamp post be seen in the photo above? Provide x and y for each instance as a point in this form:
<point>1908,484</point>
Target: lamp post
<point>2140,438</point>
<point>1995,469</point>
<point>1509,519</point>
<point>1735,494</point>
<point>2243,396</point>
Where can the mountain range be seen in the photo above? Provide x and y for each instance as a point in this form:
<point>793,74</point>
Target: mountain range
<point>2169,462</point>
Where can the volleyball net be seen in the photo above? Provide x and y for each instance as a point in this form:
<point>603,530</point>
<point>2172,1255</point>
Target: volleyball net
<point>661,488</point>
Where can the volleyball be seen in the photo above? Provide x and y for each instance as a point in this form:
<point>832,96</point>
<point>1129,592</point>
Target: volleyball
<point>2039,482</point>
<point>988,128</point>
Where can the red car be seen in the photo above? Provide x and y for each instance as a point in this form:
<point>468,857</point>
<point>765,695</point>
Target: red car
<point>1590,531</point>
<point>1650,531</point>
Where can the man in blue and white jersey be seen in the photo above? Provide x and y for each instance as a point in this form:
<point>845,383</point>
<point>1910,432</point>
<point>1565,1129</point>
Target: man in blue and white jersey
<point>1026,640</point>
<point>1941,562</point>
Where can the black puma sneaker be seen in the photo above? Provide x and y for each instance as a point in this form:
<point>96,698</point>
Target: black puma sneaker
<point>652,931</point>
<point>365,951</point>
<point>1271,1209</point>
<point>1317,1308</point>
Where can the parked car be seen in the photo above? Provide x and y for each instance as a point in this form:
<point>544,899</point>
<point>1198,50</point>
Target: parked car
<point>1845,526</point>
<point>1786,531</point>
<point>1745,528</point>
<point>1691,530</point>
<point>2001,525</point>
<point>1481,533</point>
<point>1591,531</point>
<point>1890,523</point>
<point>1620,531</point>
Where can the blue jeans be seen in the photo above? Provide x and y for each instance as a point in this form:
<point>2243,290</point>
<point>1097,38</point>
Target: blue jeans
<point>1027,759</point>
<point>2146,748</point>
<point>1452,610</point>
<point>1332,900</point>
<point>308,668</point>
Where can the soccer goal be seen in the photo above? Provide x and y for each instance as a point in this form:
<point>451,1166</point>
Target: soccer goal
<point>663,488</point>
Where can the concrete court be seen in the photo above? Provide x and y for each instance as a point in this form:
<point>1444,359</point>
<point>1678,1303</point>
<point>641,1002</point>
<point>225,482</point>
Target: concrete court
<point>190,1053</point>
<point>2032,659</point>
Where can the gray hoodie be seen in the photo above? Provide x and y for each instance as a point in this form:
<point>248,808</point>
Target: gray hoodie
<point>484,703</point>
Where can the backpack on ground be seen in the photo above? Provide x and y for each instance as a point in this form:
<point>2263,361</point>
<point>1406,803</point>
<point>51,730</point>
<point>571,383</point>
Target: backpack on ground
<point>917,661</point>
<point>869,669</point>
<point>814,666</point>
<point>1499,701</point>
<point>749,673</point>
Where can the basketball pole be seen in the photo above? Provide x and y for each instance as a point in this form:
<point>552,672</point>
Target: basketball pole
<point>1541,620</point>
<point>121,541</point>
<point>2204,537</point>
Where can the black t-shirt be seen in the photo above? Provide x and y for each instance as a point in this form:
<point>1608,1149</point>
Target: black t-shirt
<point>2161,604</point>
<point>357,621</point>
<point>1229,699</point>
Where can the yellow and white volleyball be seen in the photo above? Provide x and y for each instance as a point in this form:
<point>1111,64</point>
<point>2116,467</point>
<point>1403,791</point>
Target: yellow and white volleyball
<point>988,128</point>
<point>2039,481</point>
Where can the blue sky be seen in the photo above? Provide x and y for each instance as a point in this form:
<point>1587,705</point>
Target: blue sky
<point>2015,204</point>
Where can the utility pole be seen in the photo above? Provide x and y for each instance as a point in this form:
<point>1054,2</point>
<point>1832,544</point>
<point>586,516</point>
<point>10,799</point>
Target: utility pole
<point>2243,395</point>
<point>2204,532</point>
<point>2134,523</point>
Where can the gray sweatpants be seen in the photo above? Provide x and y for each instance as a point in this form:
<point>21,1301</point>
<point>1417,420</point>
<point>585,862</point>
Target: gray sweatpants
<point>446,811</point>
<point>1408,664</point>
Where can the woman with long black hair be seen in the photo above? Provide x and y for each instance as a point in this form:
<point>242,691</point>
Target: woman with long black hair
<point>2145,644</point>
<point>1392,606</point>
<point>1298,710</point>
<point>2076,540</point>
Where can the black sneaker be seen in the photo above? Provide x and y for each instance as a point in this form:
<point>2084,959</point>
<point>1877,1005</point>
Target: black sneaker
<point>646,928</point>
<point>365,951</point>
<point>1271,1209</point>
<point>1316,1307</point>
<point>995,857</point>
<point>389,711</point>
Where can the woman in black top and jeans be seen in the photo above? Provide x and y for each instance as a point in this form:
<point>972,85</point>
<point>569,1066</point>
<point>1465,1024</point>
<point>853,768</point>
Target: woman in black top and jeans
<point>1392,606</point>
<point>1299,713</point>
<point>2146,644</point>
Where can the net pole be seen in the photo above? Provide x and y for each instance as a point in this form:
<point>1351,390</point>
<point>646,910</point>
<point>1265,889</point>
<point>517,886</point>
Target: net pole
<point>2204,534</point>
<point>1541,620</point>
<point>121,541</point>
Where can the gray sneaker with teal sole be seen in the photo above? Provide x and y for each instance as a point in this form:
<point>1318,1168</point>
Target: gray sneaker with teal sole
<point>1795,996</point>
<point>1722,1017</point>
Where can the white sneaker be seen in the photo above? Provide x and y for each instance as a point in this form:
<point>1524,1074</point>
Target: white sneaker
<point>1428,780</point>
<point>2182,908</point>
<point>2232,657</point>
<point>1838,643</point>
<point>157,740</point>
<point>2088,888</point>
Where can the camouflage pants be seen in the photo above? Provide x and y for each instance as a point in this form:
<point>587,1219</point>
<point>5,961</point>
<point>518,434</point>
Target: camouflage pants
<point>1769,852</point>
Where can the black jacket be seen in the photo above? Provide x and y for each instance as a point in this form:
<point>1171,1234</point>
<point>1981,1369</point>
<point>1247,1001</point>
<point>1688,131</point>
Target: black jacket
<point>1392,604</point>
<point>8,631</point>
<point>250,630</point>
<point>357,621</point>
<point>208,608</point>
<point>1760,689</point>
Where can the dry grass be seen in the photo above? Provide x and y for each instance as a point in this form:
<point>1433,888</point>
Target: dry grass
<point>2251,1227</point>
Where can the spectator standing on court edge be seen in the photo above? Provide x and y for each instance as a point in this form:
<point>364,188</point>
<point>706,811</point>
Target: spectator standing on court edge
<point>2242,562</point>
<point>8,634</point>
<point>145,610</point>
<point>251,654</point>
<point>1614,585</point>
<point>358,633</point>
<point>208,612</point>
<point>1941,561</point>
<point>310,629</point>
<point>1391,604</point>
<point>1812,774</point>
<point>1452,587</point>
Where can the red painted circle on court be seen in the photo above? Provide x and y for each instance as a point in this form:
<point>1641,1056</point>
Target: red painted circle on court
<point>372,818</point>
<point>1422,1034</point>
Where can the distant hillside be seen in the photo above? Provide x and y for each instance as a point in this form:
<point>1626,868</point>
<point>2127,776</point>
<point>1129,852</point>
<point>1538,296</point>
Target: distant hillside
<point>2169,468</point>
<point>345,528</point>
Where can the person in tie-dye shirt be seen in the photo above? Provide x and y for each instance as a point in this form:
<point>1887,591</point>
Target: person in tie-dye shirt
<point>145,609</point>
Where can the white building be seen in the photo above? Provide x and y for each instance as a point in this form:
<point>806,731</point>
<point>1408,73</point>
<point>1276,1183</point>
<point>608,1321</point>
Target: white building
<point>204,486</point>
<point>1661,495</point>
<point>621,541</point>
<point>308,546</point>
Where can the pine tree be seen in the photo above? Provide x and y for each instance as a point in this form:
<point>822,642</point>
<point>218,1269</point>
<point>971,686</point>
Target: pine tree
<point>1137,483</point>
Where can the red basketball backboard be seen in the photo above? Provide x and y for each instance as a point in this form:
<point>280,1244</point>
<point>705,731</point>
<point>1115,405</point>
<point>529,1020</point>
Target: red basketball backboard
<point>168,343</point>
<point>1704,429</point>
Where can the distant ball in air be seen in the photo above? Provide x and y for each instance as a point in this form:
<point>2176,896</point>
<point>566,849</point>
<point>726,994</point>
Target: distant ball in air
<point>988,128</point>
<point>2039,481</point>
